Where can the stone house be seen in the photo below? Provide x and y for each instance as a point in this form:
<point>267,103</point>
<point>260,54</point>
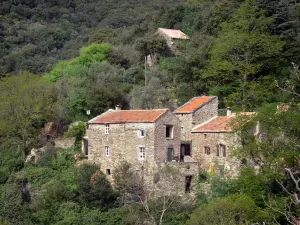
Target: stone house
<point>146,139</point>
<point>170,35</point>
<point>213,142</point>
<point>195,111</point>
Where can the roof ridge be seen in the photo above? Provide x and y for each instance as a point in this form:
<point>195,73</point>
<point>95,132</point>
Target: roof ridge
<point>120,116</point>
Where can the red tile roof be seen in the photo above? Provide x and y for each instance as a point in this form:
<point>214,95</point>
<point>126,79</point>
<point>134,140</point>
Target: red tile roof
<point>129,116</point>
<point>194,104</point>
<point>222,123</point>
<point>218,123</point>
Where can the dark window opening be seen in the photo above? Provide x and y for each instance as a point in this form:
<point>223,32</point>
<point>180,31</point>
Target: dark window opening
<point>142,133</point>
<point>188,182</point>
<point>107,171</point>
<point>169,131</point>
<point>85,146</point>
<point>185,150</point>
<point>207,150</point>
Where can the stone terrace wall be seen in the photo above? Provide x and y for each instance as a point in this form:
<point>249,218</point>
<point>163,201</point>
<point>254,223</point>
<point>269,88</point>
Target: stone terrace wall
<point>171,177</point>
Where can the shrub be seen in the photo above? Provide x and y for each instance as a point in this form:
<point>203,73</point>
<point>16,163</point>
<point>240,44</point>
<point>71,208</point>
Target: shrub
<point>234,209</point>
<point>77,131</point>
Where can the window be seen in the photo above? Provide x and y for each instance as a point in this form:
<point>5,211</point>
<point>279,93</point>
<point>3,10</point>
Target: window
<point>107,151</point>
<point>169,131</point>
<point>142,133</point>
<point>107,129</point>
<point>205,136</point>
<point>85,146</point>
<point>142,153</point>
<point>221,150</point>
<point>181,129</point>
<point>207,150</point>
<point>107,171</point>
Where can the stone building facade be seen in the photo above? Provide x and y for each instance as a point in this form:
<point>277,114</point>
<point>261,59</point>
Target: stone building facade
<point>195,111</point>
<point>193,137</point>
<point>213,143</point>
<point>144,138</point>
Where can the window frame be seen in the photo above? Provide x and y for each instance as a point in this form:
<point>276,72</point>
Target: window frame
<point>221,150</point>
<point>142,152</point>
<point>107,151</point>
<point>107,128</point>
<point>142,131</point>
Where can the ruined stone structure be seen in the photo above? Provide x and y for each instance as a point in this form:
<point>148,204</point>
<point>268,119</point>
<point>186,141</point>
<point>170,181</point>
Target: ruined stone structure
<point>170,35</point>
<point>192,113</point>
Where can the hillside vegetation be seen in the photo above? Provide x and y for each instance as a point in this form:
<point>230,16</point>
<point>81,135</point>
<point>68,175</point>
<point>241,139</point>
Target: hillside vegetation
<point>60,58</point>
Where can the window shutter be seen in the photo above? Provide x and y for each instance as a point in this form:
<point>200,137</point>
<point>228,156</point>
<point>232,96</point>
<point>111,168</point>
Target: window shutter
<point>224,152</point>
<point>218,150</point>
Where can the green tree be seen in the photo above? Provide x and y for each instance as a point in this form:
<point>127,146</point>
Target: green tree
<point>239,54</point>
<point>234,209</point>
<point>94,189</point>
<point>27,102</point>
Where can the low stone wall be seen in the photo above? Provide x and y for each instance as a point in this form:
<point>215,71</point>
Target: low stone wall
<point>64,142</point>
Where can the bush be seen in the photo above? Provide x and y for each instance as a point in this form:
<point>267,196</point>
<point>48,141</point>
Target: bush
<point>234,209</point>
<point>77,131</point>
<point>36,176</point>
<point>4,175</point>
<point>94,189</point>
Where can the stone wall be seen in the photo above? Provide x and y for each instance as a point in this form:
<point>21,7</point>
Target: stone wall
<point>212,140</point>
<point>64,142</point>
<point>124,142</point>
<point>206,112</point>
<point>189,120</point>
<point>171,178</point>
<point>162,143</point>
<point>186,121</point>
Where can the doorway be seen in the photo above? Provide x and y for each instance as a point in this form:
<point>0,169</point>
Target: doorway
<point>185,150</point>
<point>170,154</point>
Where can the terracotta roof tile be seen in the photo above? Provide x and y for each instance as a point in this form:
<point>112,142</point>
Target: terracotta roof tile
<point>218,123</point>
<point>223,123</point>
<point>129,116</point>
<point>171,33</point>
<point>193,104</point>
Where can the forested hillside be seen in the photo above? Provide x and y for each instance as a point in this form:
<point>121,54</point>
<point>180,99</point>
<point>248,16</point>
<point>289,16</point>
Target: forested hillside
<point>36,34</point>
<point>61,58</point>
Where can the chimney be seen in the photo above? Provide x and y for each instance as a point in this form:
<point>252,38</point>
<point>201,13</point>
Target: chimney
<point>118,107</point>
<point>228,111</point>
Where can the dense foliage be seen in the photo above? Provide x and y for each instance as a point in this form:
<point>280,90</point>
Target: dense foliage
<point>62,59</point>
